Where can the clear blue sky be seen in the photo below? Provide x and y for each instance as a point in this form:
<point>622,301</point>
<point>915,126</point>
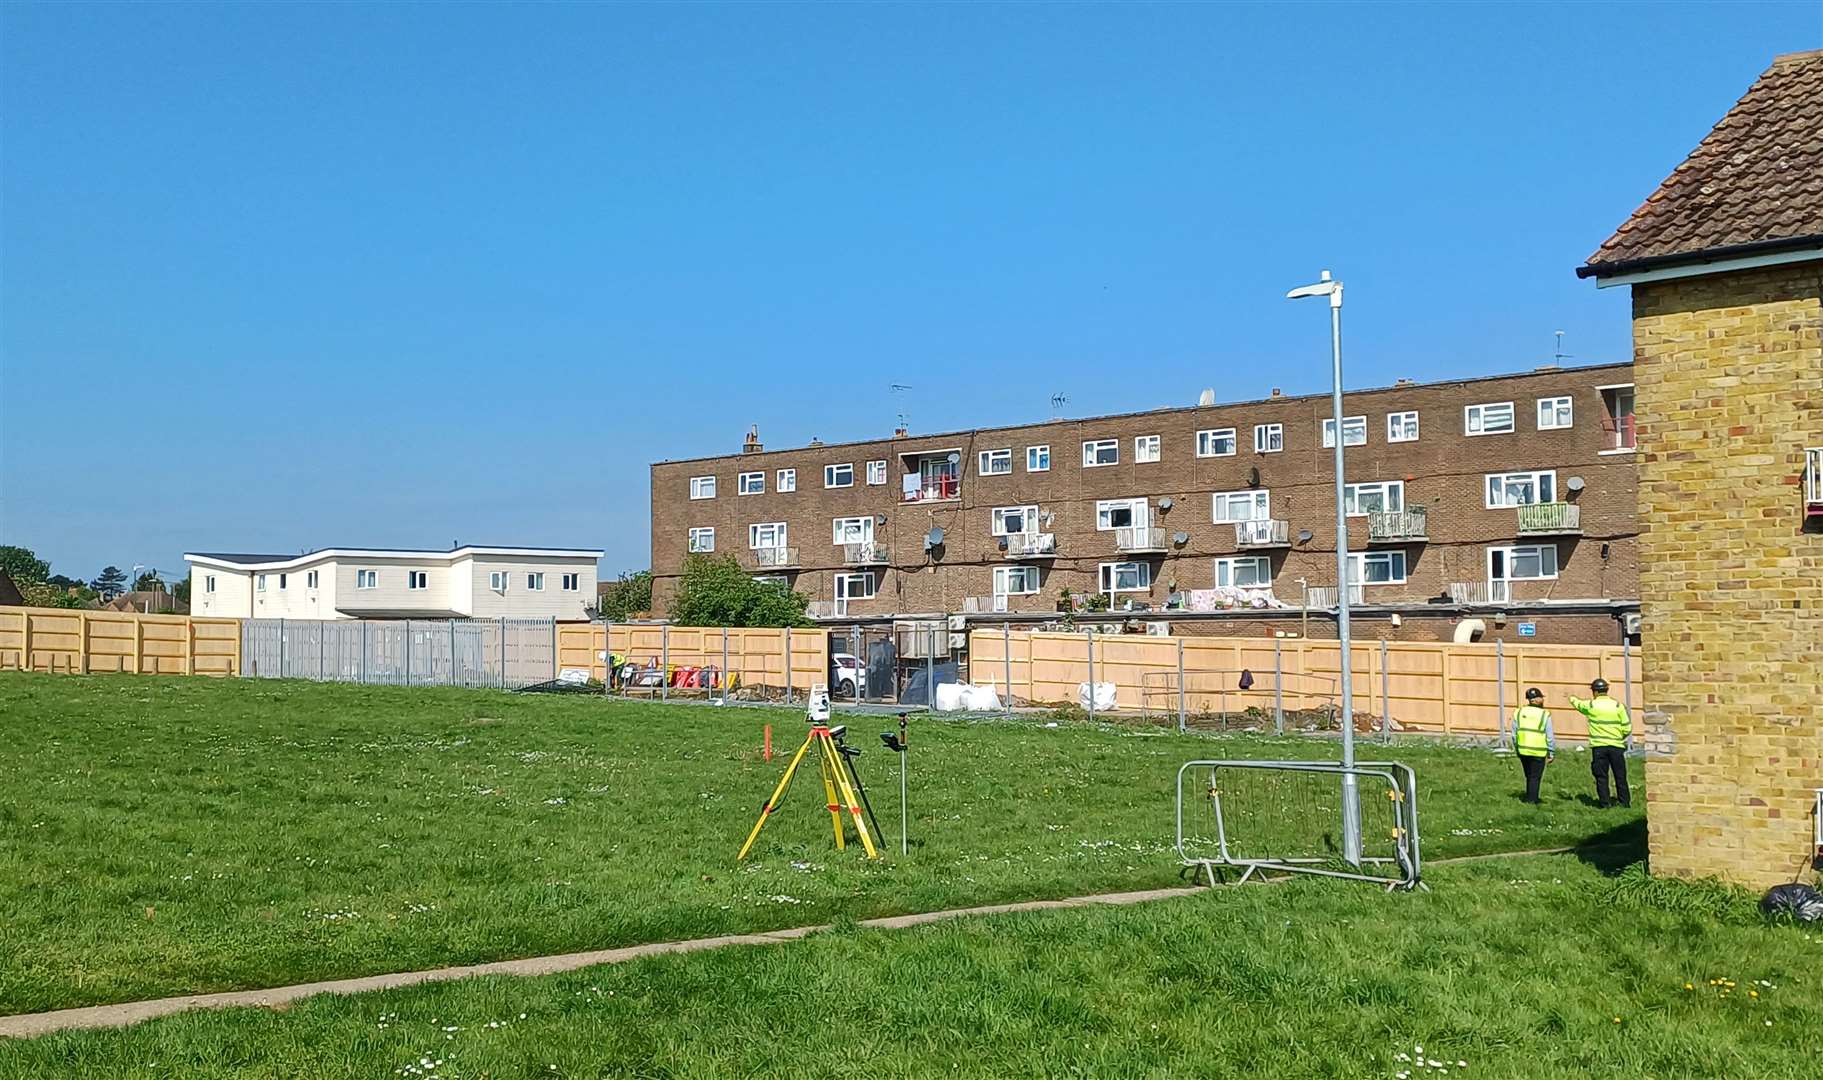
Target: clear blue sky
<point>283,277</point>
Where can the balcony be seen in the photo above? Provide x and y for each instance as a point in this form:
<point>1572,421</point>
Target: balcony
<point>1030,545</point>
<point>864,554</point>
<point>1263,533</point>
<point>1550,519</point>
<point>931,489</point>
<point>1396,526</point>
<point>1323,597</point>
<point>1619,432</point>
<point>776,558</point>
<point>980,605</point>
<point>1480,592</point>
<point>1139,541</point>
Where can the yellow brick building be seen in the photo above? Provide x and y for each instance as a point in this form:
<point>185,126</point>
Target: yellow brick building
<point>1725,262</point>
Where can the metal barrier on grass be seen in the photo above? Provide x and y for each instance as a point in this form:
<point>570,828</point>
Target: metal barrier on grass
<point>1287,816</point>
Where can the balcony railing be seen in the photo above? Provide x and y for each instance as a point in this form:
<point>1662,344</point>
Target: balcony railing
<point>1323,597</point>
<point>1134,541</point>
<point>930,489</point>
<point>1263,533</point>
<point>1480,592</point>
<point>775,558</point>
<point>1621,432</point>
<point>1031,545</point>
<point>826,609</point>
<point>864,554</point>
<point>1395,526</point>
<point>978,605</point>
<point>1547,519</point>
<point>1813,479</point>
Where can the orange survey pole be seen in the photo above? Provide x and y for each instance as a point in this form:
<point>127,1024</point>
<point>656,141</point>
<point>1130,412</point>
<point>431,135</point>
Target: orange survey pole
<point>766,746</point>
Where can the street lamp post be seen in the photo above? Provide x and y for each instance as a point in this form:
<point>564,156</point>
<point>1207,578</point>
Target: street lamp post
<point>1351,793</point>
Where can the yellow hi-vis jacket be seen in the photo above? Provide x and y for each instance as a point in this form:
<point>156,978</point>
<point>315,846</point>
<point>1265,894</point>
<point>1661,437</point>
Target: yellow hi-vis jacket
<point>1609,724</point>
<point>1532,734</point>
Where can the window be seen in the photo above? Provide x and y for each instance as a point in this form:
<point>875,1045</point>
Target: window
<point>702,487</point>
<point>752,483</point>
<point>1145,448</point>
<point>1100,452</point>
<point>208,582</point>
<point>570,582</point>
<point>1354,431</point>
<point>496,579</point>
<point>366,579</point>
<point>1521,489</point>
<point>1037,459</point>
<point>1402,427</point>
<point>1617,426</point>
<point>1362,499</point>
<point>856,586</point>
<point>788,479</point>
<point>876,472</point>
<point>534,582</point>
<point>259,583</point>
<point>853,530</point>
<point>310,579</point>
<point>1377,568</point>
<point>1015,580</point>
<point>771,579</point>
<point>1534,562</point>
<point>281,581</point>
<point>1492,419</point>
<point>768,534</point>
<point>835,476</point>
<point>1246,572</point>
<point>1120,513</point>
<point>1126,577</point>
<point>995,463</point>
<point>1009,520</point>
<point>1232,506</point>
<point>1554,413</point>
<point>702,540</point>
<point>1217,443</point>
<point>417,579</point>
<point>1268,438</point>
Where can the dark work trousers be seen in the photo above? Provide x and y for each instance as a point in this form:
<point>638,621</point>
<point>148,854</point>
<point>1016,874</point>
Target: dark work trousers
<point>1606,759</point>
<point>1534,772</point>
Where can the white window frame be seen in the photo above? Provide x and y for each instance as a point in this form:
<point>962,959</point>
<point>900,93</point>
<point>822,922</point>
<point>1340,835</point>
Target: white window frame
<point>366,579</point>
<point>1146,449</point>
<point>208,583</point>
<point>1230,567</point>
<point>702,487</point>
<point>1268,438</point>
<point>259,583</point>
<point>1108,577</point>
<point>1207,439</point>
<point>310,579</point>
<point>751,483</point>
<point>1475,421</point>
<point>1028,525</point>
<point>1397,429</point>
<point>1391,492</point>
<point>1554,405</point>
<point>863,526</point>
<point>1092,449</point>
<point>281,582</point>
<point>876,472</point>
<point>777,530</point>
<point>417,580</point>
<point>994,462</point>
<point>1041,455</point>
<point>787,480</point>
<point>702,539</point>
<point>1222,503</point>
<point>870,581</point>
<point>1358,563</point>
<point>534,580</point>
<point>1027,577</point>
<point>830,472</point>
<point>572,582</point>
<point>1511,551</point>
<point>1139,508</point>
<point>1539,479</point>
<point>1351,426</point>
<point>497,580</point>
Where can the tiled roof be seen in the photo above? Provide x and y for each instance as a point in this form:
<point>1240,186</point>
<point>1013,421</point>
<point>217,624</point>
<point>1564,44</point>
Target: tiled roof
<point>1756,179</point>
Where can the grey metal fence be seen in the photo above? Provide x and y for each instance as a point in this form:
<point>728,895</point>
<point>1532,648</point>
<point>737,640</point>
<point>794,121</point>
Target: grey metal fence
<point>505,653</point>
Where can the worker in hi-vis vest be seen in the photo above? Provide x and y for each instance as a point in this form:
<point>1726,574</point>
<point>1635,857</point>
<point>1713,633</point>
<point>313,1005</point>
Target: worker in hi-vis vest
<point>1533,741</point>
<point>1609,726</point>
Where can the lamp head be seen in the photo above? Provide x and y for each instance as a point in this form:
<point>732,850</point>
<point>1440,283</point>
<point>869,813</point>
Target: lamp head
<point>1325,286</point>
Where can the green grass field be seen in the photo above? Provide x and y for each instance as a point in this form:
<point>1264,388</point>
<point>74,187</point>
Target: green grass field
<point>168,835</point>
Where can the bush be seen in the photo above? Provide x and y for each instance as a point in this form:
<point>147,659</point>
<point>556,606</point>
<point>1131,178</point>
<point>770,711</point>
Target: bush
<point>715,591</point>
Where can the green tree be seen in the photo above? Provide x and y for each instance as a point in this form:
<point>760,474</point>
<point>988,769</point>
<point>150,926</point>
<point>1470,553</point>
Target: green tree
<point>181,591</point>
<point>43,594</point>
<point>111,583</point>
<point>715,591</point>
<point>625,597</point>
<point>23,565</point>
<point>149,582</point>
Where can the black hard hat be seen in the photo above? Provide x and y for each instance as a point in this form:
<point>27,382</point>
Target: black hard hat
<point>1600,685</point>
<point>1534,692</point>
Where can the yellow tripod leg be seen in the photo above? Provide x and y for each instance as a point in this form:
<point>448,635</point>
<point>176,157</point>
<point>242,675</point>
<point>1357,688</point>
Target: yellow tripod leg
<point>849,799</point>
<point>772,803</point>
<point>829,795</point>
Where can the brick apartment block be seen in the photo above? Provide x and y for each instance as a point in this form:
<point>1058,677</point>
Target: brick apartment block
<point>1189,473</point>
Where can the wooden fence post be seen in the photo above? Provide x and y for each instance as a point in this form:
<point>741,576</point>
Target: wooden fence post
<point>139,647</point>
<point>189,646</point>
<point>25,641</point>
<point>238,628</point>
<point>82,642</point>
<point>1448,704</point>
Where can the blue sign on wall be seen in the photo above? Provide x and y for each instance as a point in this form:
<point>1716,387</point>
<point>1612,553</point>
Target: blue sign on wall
<point>1527,629</point>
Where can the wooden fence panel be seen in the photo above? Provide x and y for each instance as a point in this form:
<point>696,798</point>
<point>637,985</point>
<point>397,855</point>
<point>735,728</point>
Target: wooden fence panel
<point>77,641</point>
<point>756,655</point>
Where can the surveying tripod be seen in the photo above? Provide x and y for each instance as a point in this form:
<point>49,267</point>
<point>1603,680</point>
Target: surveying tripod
<point>839,779</point>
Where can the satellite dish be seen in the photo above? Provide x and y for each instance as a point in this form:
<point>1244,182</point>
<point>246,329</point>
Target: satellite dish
<point>1304,536</point>
<point>1164,504</point>
<point>1003,544</point>
<point>1574,483</point>
<point>1207,397</point>
<point>1180,538</point>
<point>933,538</point>
<point>1048,516</point>
<point>1253,476</point>
<point>954,458</point>
<point>879,519</point>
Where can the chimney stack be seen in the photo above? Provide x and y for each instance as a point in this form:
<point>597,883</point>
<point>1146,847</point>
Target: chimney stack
<point>752,445</point>
<point>1276,392</point>
<point>901,432</point>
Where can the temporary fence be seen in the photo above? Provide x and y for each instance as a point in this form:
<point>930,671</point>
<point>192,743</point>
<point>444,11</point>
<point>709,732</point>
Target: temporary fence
<point>1466,689</point>
<point>73,641</point>
<point>506,653</point>
<point>713,661</point>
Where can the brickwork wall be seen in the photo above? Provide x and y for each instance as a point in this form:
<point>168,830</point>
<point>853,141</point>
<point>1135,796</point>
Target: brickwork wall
<point>1730,392</point>
<point>1443,471</point>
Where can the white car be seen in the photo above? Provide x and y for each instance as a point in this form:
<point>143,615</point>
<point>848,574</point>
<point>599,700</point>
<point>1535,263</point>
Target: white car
<point>845,674</point>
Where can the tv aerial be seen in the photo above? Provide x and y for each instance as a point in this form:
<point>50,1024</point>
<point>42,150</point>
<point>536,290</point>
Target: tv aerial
<point>1058,401</point>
